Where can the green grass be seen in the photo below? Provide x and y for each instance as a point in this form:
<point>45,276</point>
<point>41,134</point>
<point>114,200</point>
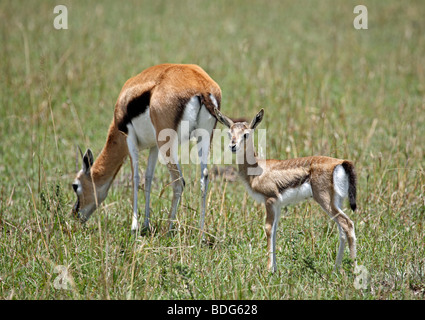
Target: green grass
<point>327,89</point>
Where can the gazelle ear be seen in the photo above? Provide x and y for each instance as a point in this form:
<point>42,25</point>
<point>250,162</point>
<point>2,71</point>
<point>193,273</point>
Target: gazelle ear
<point>257,119</point>
<point>88,161</point>
<point>223,119</point>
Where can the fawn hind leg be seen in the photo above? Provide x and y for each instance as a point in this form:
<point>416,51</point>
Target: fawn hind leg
<point>347,234</point>
<point>344,223</point>
<point>347,226</point>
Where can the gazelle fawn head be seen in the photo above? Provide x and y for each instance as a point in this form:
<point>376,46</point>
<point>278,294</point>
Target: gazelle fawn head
<point>84,189</point>
<point>239,132</point>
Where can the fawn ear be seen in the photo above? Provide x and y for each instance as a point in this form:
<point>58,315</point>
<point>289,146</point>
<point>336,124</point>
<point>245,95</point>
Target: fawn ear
<point>223,119</point>
<point>88,161</point>
<point>257,119</point>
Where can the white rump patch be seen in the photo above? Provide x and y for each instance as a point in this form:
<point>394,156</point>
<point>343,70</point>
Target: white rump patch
<point>214,100</point>
<point>195,118</point>
<point>340,181</point>
<point>189,120</point>
<point>206,120</point>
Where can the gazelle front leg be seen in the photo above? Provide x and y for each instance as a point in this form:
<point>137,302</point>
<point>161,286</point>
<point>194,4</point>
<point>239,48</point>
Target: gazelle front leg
<point>272,219</point>
<point>134,157</point>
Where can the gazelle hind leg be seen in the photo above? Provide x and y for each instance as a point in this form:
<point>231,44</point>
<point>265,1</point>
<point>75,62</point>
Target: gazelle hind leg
<point>351,235</point>
<point>176,180</point>
<point>169,156</point>
<point>342,234</point>
<point>204,132</point>
<point>203,150</point>
<point>346,231</point>
<point>178,186</point>
<point>150,170</point>
<point>342,242</point>
<point>345,226</point>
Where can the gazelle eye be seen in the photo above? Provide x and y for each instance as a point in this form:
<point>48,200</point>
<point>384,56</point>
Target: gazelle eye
<point>75,186</point>
<point>246,135</point>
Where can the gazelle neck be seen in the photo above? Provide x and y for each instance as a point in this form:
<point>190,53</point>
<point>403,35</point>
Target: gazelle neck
<point>109,162</point>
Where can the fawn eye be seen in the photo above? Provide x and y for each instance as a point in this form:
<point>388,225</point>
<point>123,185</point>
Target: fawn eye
<point>75,186</point>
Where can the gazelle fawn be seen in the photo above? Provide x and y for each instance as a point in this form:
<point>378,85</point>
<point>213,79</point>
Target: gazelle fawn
<point>278,183</point>
<point>163,98</point>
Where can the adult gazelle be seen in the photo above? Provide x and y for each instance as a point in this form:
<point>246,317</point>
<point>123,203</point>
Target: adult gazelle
<point>162,97</point>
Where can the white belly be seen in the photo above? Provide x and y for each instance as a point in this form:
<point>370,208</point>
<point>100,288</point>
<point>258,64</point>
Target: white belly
<point>295,195</point>
<point>258,197</point>
<point>145,132</point>
<point>195,117</point>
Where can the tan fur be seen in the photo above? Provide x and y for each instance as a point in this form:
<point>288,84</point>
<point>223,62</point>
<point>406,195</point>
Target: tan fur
<point>111,158</point>
<point>168,84</point>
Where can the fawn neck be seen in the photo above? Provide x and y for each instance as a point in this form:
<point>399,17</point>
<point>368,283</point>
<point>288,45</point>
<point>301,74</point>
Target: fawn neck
<point>247,160</point>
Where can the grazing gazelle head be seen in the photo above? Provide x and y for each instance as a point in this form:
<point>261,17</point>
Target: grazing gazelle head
<point>239,132</point>
<point>84,188</point>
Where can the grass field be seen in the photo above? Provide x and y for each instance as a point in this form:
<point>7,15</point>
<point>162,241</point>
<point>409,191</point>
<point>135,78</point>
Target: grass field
<point>326,88</point>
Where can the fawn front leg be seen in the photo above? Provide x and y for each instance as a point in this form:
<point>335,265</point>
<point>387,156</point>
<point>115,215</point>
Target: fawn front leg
<point>272,220</point>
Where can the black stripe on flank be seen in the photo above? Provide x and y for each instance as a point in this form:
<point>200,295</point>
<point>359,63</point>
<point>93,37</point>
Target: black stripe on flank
<point>134,108</point>
<point>180,104</point>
